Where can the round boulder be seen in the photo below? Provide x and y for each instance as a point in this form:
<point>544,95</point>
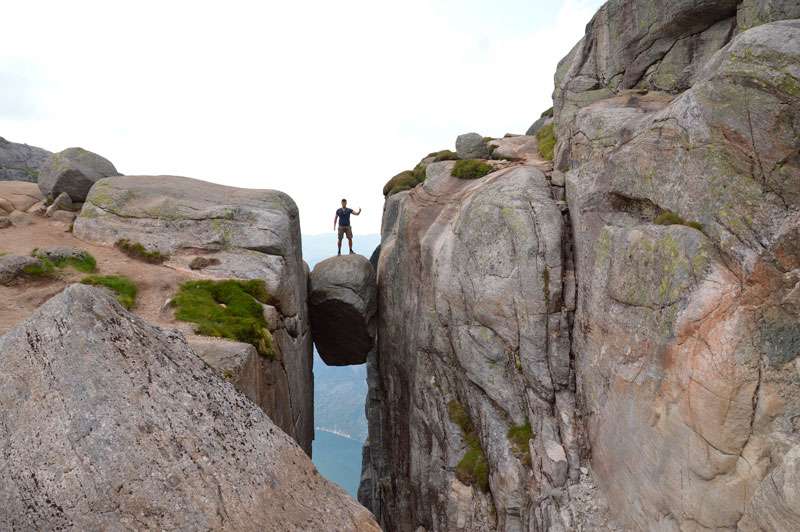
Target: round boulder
<point>343,305</point>
<point>472,146</point>
<point>73,171</point>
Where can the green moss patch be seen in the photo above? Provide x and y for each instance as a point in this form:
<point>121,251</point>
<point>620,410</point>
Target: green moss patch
<point>227,309</point>
<point>135,250</point>
<point>84,262</point>
<point>405,180</point>
<point>519,436</point>
<point>444,155</point>
<point>546,138</point>
<point>124,288</point>
<point>671,218</point>
<point>548,113</point>
<point>471,169</point>
<point>473,468</point>
<point>43,268</point>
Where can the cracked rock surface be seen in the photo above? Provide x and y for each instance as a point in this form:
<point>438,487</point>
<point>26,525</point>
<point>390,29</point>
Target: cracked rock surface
<point>686,336</point>
<point>108,423</point>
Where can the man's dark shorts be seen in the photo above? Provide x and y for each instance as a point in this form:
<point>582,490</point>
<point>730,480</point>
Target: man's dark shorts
<point>345,230</point>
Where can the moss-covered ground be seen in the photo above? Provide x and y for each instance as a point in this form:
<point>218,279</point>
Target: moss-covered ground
<point>227,309</point>
<point>124,288</point>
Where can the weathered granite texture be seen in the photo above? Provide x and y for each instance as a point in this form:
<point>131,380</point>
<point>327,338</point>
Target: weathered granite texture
<point>476,291</point>
<point>108,423</point>
<point>687,336</point>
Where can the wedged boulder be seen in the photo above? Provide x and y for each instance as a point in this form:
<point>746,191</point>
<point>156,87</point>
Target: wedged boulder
<point>472,146</point>
<point>73,171</point>
<point>250,234</point>
<point>20,162</point>
<point>109,422</point>
<point>342,305</point>
<point>18,196</point>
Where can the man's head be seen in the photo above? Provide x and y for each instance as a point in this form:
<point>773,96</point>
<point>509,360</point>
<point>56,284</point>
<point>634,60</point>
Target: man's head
<point>344,202</point>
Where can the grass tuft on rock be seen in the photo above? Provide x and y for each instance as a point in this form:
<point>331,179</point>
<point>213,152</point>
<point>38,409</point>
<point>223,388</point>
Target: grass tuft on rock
<point>519,436</point>
<point>124,288</point>
<point>227,309</point>
<point>547,141</point>
<point>672,218</point>
<point>444,155</point>
<point>473,468</point>
<point>405,180</point>
<point>135,250</point>
<point>84,263</point>
<point>471,169</point>
<point>43,268</point>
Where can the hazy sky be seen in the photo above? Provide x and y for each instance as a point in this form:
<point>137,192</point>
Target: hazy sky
<point>321,99</point>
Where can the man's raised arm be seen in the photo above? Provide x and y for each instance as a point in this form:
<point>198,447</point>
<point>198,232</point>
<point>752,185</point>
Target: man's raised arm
<point>357,213</point>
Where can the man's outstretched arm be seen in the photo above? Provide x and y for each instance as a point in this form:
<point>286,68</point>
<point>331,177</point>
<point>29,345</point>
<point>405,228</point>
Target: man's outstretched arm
<point>357,213</point>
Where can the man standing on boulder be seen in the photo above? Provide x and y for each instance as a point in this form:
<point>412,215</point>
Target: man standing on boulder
<point>343,215</point>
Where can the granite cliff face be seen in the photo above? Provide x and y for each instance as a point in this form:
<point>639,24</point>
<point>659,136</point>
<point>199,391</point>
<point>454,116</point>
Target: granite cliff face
<point>611,342</point>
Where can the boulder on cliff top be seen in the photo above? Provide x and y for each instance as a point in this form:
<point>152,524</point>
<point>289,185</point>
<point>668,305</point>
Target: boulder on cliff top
<point>472,146</point>
<point>108,422</point>
<point>73,171</point>
<point>20,162</point>
<point>170,212</point>
<point>342,304</point>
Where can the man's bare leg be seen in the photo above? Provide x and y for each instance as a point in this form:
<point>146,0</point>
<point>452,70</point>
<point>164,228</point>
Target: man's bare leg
<point>339,245</point>
<point>350,243</point>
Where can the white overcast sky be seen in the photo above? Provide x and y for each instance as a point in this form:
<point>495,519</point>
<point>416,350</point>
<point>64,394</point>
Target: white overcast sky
<point>321,99</point>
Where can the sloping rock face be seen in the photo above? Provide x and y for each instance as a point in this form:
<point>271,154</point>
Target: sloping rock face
<point>108,423</point>
<point>650,334</point>
<point>476,291</point>
<point>253,234</point>
<point>342,304</point>
<point>687,336</point>
<point>73,171</point>
<point>20,162</point>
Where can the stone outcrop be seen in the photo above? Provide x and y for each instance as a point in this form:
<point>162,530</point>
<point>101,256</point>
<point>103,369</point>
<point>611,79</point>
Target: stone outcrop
<point>342,305</point>
<point>20,162</point>
<point>686,335</point>
<point>252,234</point>
<point>476,291</point>
<point>639,306</point>
<point>108,422</point>
<point>73,171</point>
